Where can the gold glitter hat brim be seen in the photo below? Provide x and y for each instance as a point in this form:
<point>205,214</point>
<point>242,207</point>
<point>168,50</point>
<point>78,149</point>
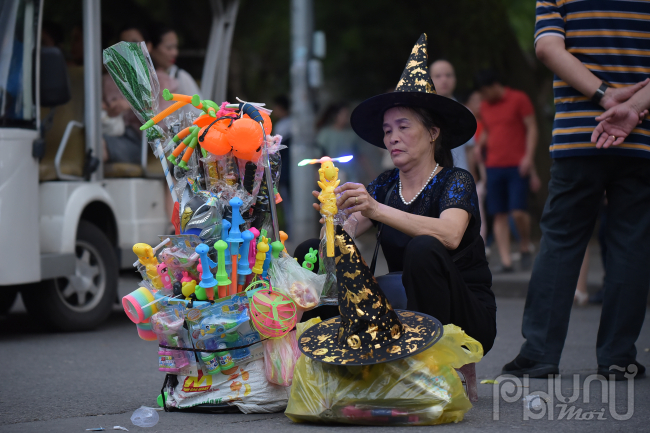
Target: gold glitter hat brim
<point>320,342</point>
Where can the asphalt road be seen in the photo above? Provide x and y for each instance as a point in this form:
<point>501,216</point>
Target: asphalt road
<point>55,382</point>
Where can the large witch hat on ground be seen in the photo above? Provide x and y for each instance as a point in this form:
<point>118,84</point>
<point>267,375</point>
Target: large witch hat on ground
<point>415,89</point>
<point>368,331</point>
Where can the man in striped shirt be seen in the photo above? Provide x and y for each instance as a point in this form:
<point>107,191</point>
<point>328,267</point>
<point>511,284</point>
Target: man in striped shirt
<point>600,54</point>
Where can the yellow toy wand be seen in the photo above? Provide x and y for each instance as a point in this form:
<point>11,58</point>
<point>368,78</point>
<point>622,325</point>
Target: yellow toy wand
<point>328,182</point>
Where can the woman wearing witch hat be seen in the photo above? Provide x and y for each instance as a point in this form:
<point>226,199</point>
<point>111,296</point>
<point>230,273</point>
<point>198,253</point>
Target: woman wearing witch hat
<point>427,209</point>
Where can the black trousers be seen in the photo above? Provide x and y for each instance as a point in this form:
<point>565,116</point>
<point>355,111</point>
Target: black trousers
<point>434,286</point>
<point>575,193</point>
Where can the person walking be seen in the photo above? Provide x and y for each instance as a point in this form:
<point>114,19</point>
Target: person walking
<point>509,119</point>
<point>444,78</point>
<point>597,53</point>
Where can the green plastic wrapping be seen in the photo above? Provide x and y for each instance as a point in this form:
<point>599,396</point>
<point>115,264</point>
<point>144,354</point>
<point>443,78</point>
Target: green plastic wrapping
<point>130,66</point>
<point>423,389</point>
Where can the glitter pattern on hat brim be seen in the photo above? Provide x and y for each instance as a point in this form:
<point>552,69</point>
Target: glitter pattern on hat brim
<point>320,342</point>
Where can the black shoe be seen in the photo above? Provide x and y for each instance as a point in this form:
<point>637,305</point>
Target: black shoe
<point>521,366</point>
<point>620,375</point>
<point>526,261</point>
<point>502,269</point>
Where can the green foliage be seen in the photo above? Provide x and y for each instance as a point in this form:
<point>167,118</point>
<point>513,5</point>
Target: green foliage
<point>521,15</point>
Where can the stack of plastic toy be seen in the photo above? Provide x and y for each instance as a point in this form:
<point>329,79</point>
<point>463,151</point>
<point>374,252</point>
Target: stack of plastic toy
<point>207,294</point>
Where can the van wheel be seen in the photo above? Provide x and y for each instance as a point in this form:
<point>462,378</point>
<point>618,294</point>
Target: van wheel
<point>84,300</point>
<point>7,300</point>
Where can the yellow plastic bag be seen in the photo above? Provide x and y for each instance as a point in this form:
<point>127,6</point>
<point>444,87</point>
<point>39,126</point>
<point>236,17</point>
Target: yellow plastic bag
<point>423,389</point>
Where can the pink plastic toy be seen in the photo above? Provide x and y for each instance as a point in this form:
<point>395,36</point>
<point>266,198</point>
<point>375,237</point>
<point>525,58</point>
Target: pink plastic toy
<point>164,276</point>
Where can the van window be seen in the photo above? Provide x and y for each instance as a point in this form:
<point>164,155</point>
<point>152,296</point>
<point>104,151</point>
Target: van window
<point>18,31</point>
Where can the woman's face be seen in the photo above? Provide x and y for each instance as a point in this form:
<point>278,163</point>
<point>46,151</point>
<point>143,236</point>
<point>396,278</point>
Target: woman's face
<point>406,138</point>
<point>164,55</point>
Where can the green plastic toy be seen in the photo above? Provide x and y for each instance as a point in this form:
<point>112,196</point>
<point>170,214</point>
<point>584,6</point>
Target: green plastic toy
<point>310,259</point>
<point>222,275</point>
<point>276,247</point>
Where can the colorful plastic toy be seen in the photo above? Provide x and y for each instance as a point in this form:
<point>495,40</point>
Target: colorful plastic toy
<point>243,268</point>
<point>260,257</point>
<point>346,158</point>
<point>328,183</point>
<point>234,239</point>
<point>310,259</point>
<point>138,305</point>
<point>272,313</point>
<point>207,279</point>
<point>147,258</point>
<point>165,279</point>
<point>283,238</point>
<point>145,331</point>
<point>222,275</point>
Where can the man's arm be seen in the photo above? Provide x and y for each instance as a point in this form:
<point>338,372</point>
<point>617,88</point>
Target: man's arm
<point>527,161</point>
<point>552,52</point>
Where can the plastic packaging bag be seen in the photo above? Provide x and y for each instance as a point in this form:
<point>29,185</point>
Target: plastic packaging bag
<point>145,417</point>
<point>244,386</point>
<point>302,285</point>
<point>129,65</point>
<point>423,389</point>
<point>302,327</point>
<point>280,356</point>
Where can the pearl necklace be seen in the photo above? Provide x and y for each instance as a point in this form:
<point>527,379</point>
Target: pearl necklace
<point>421,189</point>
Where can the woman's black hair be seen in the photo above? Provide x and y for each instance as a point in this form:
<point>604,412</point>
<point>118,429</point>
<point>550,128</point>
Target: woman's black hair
<point>441,153</point>
<point>136,27</point>
<point>157,33</point>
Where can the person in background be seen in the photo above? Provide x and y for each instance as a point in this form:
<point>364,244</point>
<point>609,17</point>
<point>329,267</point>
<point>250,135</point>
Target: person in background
<point>164,51</point>
<point>444,78</point>
<point>509,119</point>
<point>475,165</point>
<point>122,139</point>
<point>282,118</point>
<point>596,64</point>
<point>336,138</point>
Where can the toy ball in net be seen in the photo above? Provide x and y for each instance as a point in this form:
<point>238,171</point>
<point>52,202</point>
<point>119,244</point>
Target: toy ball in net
<point>272,313</point>
<point>268,125</point>
<point>245,137</point>
<point>214,141</point>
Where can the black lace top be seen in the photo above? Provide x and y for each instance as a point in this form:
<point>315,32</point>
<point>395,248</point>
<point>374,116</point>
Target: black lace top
<point>450,188</point>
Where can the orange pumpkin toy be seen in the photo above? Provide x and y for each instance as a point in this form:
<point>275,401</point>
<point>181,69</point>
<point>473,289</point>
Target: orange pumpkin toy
<point>246,137</point>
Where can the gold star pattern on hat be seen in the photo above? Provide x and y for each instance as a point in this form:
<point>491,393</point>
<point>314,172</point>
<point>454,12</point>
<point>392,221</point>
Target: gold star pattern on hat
<point>368,331</point>
<point>415,77</point>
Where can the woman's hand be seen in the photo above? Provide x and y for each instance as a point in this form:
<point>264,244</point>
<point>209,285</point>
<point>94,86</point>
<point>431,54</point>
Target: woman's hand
<point>355,198</point>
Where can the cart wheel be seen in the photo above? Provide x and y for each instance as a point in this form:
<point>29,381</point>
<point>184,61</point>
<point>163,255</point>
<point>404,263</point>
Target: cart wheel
<point>7,300</point>
<point>84,300</point>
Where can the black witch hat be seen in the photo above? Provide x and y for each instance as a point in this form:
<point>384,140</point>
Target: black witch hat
<point>368,331</point>
<point>415,89</point>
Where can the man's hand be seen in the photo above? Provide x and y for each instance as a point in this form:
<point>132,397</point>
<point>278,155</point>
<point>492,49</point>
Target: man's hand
<point>525,166</point>
<point>613,96</point>
<point>615,125</point>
